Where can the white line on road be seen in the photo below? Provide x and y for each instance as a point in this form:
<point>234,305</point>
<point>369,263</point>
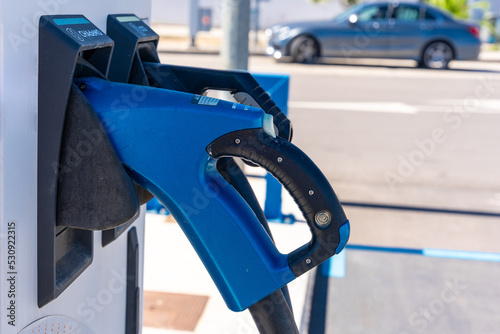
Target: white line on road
<point>389,107</point>
<point>441,106</point>
<point>492,104</point>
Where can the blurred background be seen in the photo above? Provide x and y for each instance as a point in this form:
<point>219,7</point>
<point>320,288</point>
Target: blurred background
<point>265,13</point>
<point>412,153</point>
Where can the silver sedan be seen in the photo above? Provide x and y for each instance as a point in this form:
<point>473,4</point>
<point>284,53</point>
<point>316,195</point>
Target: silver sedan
<point>379,30</point>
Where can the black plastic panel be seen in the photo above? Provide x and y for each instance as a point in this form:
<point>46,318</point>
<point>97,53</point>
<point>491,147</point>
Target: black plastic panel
<point>132,320</point>
<point>128,31</point>
<point>111,235</point>
<point>130,35</point>
<point>64,252</point>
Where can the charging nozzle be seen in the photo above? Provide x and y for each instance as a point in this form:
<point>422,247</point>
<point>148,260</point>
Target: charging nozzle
<point>170,142</point>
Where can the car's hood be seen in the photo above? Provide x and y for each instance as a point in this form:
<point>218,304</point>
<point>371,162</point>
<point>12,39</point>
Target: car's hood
<point>302,25</point>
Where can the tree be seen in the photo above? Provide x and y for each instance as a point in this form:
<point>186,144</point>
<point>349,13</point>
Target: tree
<point>459,8</point>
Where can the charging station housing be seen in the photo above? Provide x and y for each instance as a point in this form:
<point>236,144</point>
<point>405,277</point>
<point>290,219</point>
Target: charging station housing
<point>95,299</point>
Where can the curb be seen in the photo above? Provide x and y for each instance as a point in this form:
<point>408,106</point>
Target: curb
<point>203,52</point>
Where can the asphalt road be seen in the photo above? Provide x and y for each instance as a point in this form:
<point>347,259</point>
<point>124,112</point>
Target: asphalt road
<point>385,132</point>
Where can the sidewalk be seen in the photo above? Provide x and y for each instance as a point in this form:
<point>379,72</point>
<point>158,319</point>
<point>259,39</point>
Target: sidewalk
<point>181,298</point>
<point>488,55</point>
<point>175,39</point>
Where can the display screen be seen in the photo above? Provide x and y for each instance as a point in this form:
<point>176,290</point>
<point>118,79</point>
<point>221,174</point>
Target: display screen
<point>72,20</point>
<point>128,18</point>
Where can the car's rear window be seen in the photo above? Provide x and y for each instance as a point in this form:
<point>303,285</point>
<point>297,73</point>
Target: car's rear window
<point>424,13</point>
<point>437,14</point>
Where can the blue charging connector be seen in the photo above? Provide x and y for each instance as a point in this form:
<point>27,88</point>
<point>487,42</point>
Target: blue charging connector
<point>170,142</point>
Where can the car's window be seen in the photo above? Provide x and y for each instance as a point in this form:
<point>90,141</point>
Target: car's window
<point>439,14</point>
<point>372,13</point>
<point>429,17</point>
<point>426,15</point>
<point>405,13</point>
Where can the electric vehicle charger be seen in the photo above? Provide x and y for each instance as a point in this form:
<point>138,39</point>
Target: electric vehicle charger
<point>172,133</point>
<point>136,61</point>
<point>185,160</point>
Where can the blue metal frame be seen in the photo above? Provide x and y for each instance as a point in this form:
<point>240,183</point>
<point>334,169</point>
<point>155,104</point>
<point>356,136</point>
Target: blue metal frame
<point>277,86</point>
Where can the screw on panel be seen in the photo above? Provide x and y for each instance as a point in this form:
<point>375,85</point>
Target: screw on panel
<point>82,86</point>
<point>323,218</point>
<point>237,141</point>
<point>308,261</point>
<point>311,192</point>
<point>280,159</point>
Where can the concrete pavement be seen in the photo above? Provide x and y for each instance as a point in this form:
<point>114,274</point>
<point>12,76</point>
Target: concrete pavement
<point>172,266</point>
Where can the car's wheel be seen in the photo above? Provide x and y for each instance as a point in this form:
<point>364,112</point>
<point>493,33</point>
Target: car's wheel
<point>437,55</point>
<point>304,50</point>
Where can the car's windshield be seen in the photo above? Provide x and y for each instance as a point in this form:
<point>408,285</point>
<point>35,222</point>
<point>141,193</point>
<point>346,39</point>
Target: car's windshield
<point>345,15</point>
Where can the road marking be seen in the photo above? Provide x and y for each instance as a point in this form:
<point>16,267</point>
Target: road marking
<point>461,71</point>
<point>461,255</point>
<point>438,106</point>
<point>490,104</point>
<point>336,266</point>
<point>433,252</point>
<point>387,107</point>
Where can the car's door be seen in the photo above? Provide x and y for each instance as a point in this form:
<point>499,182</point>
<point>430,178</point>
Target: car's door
<point>409,27</point>
<point>363,34</point>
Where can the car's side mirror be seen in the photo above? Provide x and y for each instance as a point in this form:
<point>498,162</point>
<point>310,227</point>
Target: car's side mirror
<point>353,19</point>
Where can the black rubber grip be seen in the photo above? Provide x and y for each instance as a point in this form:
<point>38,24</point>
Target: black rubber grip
<point>303,180</point>
<point>197,80</point>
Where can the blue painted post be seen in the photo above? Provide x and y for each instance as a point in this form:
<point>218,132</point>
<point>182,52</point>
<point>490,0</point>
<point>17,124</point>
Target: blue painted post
<point>277,86</point>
